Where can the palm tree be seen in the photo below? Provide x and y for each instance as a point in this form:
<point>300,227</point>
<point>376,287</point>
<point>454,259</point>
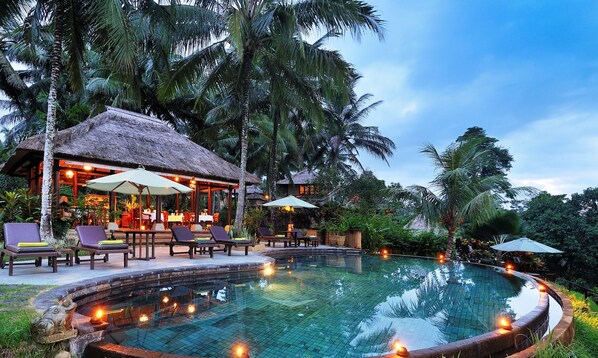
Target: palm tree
<point>457,193</point>
<point>344,135</point>
<point>253,27</point>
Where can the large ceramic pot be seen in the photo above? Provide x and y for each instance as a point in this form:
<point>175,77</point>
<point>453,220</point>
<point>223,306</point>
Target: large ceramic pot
<point>353,239</point>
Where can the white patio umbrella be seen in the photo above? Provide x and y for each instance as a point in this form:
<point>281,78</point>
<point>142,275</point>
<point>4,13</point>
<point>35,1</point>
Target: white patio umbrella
<point>138,181</point>
<point>291,202</point>
<point>526,245</point>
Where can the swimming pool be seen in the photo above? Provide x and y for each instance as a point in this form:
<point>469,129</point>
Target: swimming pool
<point>318,306</point>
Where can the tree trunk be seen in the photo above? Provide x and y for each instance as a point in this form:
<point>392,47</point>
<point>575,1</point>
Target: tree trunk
<point>271,180</point>
<point>46,209</point>
<point>245,83</point>
<point>450,245</point>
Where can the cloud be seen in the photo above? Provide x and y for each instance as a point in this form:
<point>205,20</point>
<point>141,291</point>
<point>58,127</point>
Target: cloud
<point>557,154</point>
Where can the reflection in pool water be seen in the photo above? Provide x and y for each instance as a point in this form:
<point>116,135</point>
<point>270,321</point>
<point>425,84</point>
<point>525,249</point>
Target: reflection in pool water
<point>319,306</point>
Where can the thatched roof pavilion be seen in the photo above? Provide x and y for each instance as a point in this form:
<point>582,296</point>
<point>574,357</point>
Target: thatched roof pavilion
<point>126,139</point>
<point>117,140</point>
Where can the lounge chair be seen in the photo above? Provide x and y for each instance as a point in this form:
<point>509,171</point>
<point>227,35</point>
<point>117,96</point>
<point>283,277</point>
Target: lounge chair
<point>266,235</point>
<point>309,240</point>
<point>221,237</point>
<point>23,240</point>
<point>93,239</point>
<point>182,236</point>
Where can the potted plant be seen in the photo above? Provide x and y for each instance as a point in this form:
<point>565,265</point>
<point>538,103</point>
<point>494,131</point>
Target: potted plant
<point>354,223</point>
<point>341,228</point>
<point>115,216</point>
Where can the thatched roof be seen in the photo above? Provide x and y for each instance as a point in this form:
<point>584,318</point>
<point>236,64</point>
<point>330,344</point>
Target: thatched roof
<point>128,139</point>
<point>303,177</point>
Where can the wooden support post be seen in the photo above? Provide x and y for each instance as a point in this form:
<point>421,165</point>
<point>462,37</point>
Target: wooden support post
<point>230,193</point>
<point>75,186</point>
<point>31,182</point>
<point>56,178</point>
<point>158,209</point>
<point>38,179</point>
<point>209,199</point>
<point>177,205</point>
<point>196,208</point>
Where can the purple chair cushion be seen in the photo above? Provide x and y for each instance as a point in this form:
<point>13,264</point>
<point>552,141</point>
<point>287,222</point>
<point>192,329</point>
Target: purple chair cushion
<point>91,235</point>
<point>182,234</point>
<point>220,235</point>
<point>264,232</point>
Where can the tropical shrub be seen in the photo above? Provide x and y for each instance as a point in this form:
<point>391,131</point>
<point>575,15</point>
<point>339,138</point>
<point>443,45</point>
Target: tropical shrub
<point>253,219</point>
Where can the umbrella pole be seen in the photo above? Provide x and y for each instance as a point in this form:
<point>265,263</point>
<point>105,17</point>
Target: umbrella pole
<point>140,207</point>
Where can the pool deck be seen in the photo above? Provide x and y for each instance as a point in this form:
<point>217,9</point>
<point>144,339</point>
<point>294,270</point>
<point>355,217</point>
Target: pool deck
<point>31,275</point>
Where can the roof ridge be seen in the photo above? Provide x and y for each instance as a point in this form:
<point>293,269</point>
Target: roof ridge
<point>134,114</point>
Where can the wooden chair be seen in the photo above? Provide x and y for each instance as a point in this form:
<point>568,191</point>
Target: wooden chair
<point>20,240</point>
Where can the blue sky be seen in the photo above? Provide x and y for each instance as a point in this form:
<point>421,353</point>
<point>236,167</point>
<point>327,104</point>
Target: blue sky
<point>525,71</point>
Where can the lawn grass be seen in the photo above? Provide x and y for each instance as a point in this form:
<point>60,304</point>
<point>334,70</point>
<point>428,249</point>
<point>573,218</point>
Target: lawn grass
<point>16,314</point>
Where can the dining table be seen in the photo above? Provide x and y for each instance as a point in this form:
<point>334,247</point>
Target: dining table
<point>141,232</point>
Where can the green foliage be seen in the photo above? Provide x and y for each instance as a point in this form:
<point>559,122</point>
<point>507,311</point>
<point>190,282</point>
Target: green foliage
<point>556,221</point>
<point>499,159</point>
<point>502,223</point>
<point>365,192</point>
<point>8,183</point>
<point>253,219</point>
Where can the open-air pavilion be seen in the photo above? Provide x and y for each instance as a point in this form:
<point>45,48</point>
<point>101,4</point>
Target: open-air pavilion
<point>118,140</point>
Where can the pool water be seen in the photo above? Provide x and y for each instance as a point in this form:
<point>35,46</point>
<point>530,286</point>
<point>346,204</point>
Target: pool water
<point>319,306</point>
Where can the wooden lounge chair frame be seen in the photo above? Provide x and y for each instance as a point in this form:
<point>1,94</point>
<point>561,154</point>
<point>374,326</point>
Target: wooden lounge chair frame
<point>221,237</point>
<point>183,236</point>
<point>309,241</point>
<point>266,235</point>
<point>93,251</point>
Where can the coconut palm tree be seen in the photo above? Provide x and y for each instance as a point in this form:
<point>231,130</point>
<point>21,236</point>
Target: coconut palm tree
<point>254,26</point>
<point>104,23</point>
<point>344,135</point>
<point>457,194</point>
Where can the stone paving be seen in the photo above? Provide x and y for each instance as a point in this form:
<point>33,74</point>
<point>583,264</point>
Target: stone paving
<point>31,275</point>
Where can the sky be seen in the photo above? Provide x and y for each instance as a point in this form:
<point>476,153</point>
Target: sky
<point>525,71</point>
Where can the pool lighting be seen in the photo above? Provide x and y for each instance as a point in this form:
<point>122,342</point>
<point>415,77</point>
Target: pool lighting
<point>191,309</point>
<point>400,350</point>
<point>385,252</point>
<point>165,299</point>
<point>143,318</point>
<point>542,287</point>
<point>268,271</point>
<point>505,323</point>
<point>509,267</point>
<point>441,257</point>
<point>97,317</point>
<point>240,351</point>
